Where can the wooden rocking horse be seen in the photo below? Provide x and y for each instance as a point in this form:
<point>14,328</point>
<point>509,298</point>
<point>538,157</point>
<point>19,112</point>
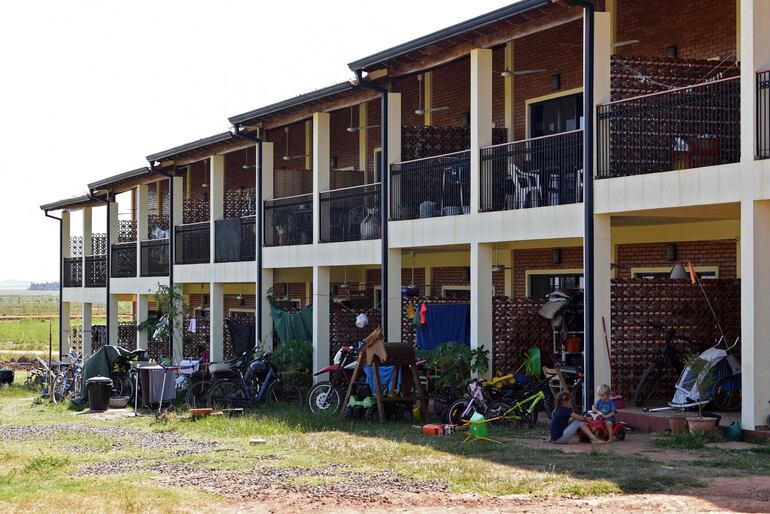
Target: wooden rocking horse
<point>375,353</point>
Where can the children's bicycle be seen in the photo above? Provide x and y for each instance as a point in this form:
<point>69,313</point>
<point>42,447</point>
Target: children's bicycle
<point>520,412</point>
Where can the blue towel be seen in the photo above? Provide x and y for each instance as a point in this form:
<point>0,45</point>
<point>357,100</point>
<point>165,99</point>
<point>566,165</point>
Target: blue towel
<point>386,378</point>
<point>445,323</point>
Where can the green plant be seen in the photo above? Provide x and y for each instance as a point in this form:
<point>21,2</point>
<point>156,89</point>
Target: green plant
<point>170,303</point>
<point>295,360</point>
<point>701,368</point>
<point>455,364</point>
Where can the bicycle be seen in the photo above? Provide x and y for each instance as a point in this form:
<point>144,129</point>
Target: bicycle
<point>201,382</point>
<point>522,411</point>
<point>651,376</point>
<point>68,382</point>
<point>40,377</point>
<point>259,382</point>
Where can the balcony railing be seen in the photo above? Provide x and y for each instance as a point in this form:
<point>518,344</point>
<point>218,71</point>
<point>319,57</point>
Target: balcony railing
<point>96,270</point>
<point>683,128</point>
<point>192,243</point>
<point>73,272</point>
<point>195,210</point>
<point>289,221</point>
<point>350,214</point>
<point>123,261</point>
<point>248,238</point>
<point>532,173</point>
<point>157,226</point>
<point>763,115</point>
<point>126,231</point>
<point>154,258</point>
<point>239,203</point>
<point>434,186</point>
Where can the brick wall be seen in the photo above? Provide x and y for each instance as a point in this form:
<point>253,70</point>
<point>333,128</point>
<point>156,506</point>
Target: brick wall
<point>559,51</point>
<point>373,135</point>
<point>374,278</point>
<point>498,87</point>
<point>452,88</point>
<point>343,144</point>
<point>296,291</point>
<point>720,253</point>
<point>410,100</point>
<point>289,177</point>
<point>540,259</point>
<point>699,28</point>
<point>235,176</point>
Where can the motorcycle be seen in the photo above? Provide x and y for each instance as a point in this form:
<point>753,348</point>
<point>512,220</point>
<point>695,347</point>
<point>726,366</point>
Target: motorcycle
<point>326,396</point>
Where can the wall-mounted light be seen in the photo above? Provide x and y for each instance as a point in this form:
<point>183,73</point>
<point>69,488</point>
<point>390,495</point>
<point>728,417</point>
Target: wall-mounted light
<point>672,52</point>
<point>670,252</point>
<point>556,82</point>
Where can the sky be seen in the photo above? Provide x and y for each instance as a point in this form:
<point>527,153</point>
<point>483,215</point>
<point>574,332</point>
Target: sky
<point>89,88</point>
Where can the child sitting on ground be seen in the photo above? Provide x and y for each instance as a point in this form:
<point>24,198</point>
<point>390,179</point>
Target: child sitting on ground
<point>605,407</point>
<point>565,423</point>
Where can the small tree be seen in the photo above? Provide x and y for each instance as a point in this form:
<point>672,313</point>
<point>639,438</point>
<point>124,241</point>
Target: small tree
<point>455,363</point>
<point>704,377</point>
<point>170,303</point>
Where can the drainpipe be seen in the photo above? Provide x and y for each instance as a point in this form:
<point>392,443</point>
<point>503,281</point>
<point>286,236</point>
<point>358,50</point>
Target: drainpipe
<point>61,275</point>
<point>108,256</point>
<point>170,244</point>
<point>235,130</point>
<point>384,205</point>
<point>588,198</point>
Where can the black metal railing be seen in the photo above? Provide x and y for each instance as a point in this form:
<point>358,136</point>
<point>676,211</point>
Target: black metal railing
<point>96,270</point>
<point>249,238</point>
<point>192,243</point>
<point>123,260</point>
<point>154,258</point>
<point>532,173</point>
<point>73,271</point>
<point>289,220</point>
<point>350,214</point>
<point>434,186</point>
<point>682,128</point>
<point>763,115</point>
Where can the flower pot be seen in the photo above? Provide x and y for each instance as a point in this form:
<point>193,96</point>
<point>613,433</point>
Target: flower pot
<point>700,425</point>
<point>678,424</point>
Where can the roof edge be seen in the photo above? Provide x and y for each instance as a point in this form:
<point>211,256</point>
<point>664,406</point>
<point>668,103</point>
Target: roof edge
<point>63,204</point>
<point>118,178</point>
<point>448,32</point>
<point>189,147</point>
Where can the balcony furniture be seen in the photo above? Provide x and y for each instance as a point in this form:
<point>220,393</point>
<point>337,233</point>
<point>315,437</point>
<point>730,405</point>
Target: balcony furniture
<point>350,213</point>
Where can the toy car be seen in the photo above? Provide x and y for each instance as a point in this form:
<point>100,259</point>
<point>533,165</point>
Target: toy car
<point>595,423</point>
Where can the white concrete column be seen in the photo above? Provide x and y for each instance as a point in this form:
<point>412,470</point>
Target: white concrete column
<point>481,298</point>
<point>217,197</point>
<point>754,56</point>
<point>481,117</point>
<point>602,298</point>
<point>87,323</point>
<point>216,321</point>
<point>755,305</point>
<point>321,299</point>
<point>393,301</point>
<point>64,328</point>
<point>394,148</point>
<point>112,321</point>
<point>176,216</point>
<point>267,315</point>
<point>142,206</point>
<point>65,235</point>
<point>142,312</point>
<point>602,57</point>
<point>87,239</point>
<point>321,171</point>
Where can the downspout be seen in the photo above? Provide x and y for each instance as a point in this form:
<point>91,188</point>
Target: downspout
<point>108,252</point>
<point>588,198</point>
<point>170,243</point>
<point>61,275</point>
<point>384,203</point>
<point>236,131</point>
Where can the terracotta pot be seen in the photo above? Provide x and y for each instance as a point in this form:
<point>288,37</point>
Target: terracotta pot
<point>678,424</point>
<point>701,425</point>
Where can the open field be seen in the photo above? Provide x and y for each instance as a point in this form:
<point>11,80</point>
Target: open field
<point>113,461</point>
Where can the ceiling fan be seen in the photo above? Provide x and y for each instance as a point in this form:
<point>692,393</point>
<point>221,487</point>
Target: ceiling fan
<point>497,267</point>
<point>352,128</point>
<point>423,110</point>
<point>510,73</point>
<point>286,156</point>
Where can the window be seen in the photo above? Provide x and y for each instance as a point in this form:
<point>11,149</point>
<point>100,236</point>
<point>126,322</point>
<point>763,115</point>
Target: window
<point>560,114</point>
<point>462,292</point>
<point>541,285</point>
<point>377,293</point>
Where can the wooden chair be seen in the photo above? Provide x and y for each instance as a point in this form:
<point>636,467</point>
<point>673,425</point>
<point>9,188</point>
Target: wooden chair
<point>556,381</point>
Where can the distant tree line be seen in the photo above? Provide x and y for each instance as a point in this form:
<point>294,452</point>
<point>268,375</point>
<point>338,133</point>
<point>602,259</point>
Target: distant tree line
<point>44,286</point>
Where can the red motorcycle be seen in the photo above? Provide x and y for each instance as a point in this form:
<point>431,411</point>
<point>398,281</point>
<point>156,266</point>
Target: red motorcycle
<point>326,396</point>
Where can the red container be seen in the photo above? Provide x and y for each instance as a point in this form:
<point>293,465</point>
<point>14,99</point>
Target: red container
<point>431,429</point>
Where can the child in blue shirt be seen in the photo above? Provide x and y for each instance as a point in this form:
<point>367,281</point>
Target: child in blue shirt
<point>605,407</point>
<point>565,423</point>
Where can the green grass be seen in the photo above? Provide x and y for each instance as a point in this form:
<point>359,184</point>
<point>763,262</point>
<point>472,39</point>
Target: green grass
<point>688,441</point>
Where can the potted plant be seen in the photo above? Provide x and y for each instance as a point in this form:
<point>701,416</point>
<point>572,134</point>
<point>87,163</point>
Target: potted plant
<point>702,370</point>
<point>170,304</point>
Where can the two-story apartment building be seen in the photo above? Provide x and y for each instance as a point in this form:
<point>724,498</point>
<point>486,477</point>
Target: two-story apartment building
<point>454,168</point>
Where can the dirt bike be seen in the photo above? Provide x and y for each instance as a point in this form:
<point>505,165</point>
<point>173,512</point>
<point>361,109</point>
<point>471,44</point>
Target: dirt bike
<point>326,396</point>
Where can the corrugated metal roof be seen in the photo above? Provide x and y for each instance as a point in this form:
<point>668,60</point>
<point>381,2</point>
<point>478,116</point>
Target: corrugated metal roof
<point>63,204</point>
<point>189,147</point>
<point>99,184</point>
<point>292,102</point>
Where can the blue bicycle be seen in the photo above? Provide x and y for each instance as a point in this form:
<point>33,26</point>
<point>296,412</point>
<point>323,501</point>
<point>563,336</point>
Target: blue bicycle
<point>254,383</point>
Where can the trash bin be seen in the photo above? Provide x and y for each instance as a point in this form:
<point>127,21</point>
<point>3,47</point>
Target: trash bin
<point>156,385</point>
<point>99,393</point>
<point>6,376</point>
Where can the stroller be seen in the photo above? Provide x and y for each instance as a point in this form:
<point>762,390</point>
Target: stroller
<point>719,364</point>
